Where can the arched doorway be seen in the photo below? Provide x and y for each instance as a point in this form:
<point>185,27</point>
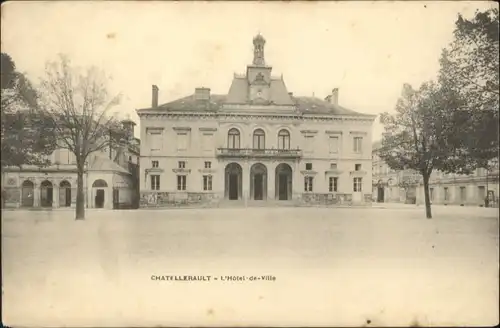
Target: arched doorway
<point>283,180</point>
<point>99,194</point>
<point>47,194</point>
<point>233,189</point>
<point>258,182</point>
<point>27,194</point>
<point>64,194</point>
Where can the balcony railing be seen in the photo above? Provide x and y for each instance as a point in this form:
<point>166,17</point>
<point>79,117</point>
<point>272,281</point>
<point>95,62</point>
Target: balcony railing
<point>260,153</point>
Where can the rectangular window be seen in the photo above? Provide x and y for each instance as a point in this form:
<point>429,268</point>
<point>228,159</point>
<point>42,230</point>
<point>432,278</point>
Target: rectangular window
<point>182,141</point>
<point>155,182</point>
<point>308,183</point>
<point>182,164</point>
<point>333,184</point>
<point>153,163</point>
<point>357,184</point>
<point>208,165</point>
<point>207,182</point>
<point>308,144</point>
<point>463,194</point>
<point>309,166</point>
<point>357,145</point>
<point>207,142</point>
<point>431,193</point>
<point>446,194</point>
<point>333,166</point>
<point>357,167</point>
<point>155,139</point>
<point>334,144</point>
<point>181,182</point>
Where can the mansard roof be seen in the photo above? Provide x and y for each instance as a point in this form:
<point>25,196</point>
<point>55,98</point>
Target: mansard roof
<point>313,105</point>
<point>190,103</point>
<point>304,105</point>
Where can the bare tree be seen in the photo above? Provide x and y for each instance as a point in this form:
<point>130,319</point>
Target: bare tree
<point>79,106</point>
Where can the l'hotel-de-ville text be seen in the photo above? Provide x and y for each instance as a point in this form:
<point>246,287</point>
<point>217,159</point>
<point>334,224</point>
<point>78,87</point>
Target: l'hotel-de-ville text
<point>209,278</point>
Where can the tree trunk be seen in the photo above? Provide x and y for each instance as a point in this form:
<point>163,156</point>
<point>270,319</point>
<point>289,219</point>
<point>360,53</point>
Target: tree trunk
<point>80,197</point>
<point>428,212</point>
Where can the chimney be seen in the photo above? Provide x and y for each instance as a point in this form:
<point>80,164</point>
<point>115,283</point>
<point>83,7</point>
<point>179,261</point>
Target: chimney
<point>155,97</point>
<point>334,98</point>
<point>202,94</point>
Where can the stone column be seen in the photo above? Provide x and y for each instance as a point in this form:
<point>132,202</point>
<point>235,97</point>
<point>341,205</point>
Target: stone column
<point>246,180</point>
<point>271,181</point>
<point>36,194</point>
<point>298,183</point>
<point>55,196</point>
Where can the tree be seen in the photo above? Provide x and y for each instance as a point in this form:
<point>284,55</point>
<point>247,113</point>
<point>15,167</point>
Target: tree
<point>23,140</point>
<point>420,135</point>
<point>78,105</point>
<point>470,67</point>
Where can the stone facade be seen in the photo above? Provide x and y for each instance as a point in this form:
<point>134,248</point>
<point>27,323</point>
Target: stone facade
<point>391,186</point>
<point>257,143</point>
<point>106,183</point>
<point>463,190</point>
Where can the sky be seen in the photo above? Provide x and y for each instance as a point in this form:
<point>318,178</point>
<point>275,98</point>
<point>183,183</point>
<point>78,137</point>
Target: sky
<point>366,49</point>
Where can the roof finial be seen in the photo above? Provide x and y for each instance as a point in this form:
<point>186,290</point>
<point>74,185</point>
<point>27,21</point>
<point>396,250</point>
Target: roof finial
<point>258,50</point>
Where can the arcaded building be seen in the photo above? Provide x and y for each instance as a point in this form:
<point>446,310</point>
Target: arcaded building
<point>258,143</point>
<point>110,179</point>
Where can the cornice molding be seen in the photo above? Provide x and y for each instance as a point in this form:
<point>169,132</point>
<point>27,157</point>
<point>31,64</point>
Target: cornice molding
<point>208,129</point>
<point>182,128</point>
<point>309,132</point>
<point>333,172</point>
<point>181,171</point>
<point>207,171</point>
<point>260,116</point>
<point>308,173</point>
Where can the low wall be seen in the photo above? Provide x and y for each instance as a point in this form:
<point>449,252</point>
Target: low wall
<point>173,199</point>
<point>332,199</point>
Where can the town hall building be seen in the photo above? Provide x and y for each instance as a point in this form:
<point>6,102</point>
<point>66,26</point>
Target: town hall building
<point>257,144</point>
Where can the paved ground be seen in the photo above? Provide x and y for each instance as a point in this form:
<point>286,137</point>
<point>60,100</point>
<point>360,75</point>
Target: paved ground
<point>332,266</point>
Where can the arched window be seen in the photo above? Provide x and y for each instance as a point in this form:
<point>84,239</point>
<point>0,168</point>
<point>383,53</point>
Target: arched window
<point>233,139</point>
<point>259,139</point>
<point>284,139</point>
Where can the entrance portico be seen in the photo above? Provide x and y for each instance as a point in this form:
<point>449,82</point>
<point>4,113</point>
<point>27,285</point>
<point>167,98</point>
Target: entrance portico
<point>252,181</point>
